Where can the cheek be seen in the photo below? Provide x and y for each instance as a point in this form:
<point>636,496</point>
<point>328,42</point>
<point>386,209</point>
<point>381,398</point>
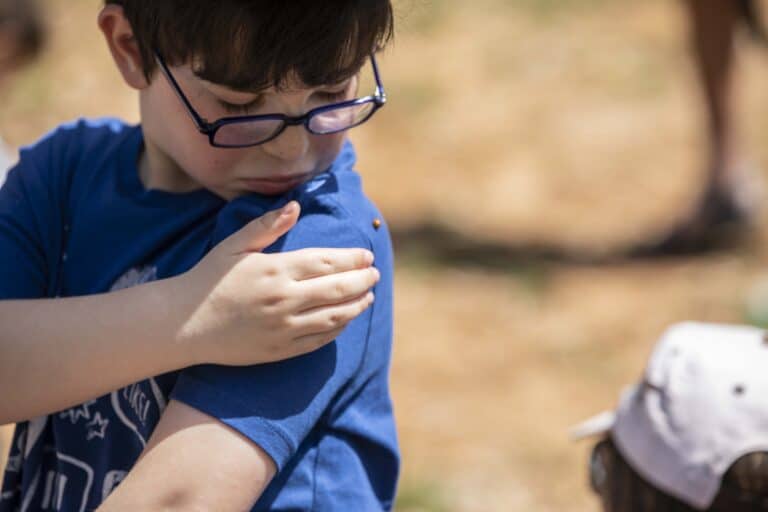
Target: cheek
<point>173,128</point>
<point>325,148</point>
<point>211,164</point>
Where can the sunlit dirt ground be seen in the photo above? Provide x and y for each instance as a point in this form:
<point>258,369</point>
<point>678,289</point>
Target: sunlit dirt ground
<point>569,124</point>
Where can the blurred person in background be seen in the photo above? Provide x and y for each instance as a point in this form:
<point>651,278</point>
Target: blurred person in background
<point>693,434</point>
<point>21,37</point>
<point>729,200</point>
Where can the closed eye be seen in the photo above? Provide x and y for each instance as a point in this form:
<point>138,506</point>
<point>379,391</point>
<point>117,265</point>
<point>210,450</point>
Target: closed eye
<point>240,108</point>
<point>332,96</point>
<point>340,92</point>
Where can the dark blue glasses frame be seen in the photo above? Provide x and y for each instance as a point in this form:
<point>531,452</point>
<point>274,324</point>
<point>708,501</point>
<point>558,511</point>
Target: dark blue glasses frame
<point>376,101</point>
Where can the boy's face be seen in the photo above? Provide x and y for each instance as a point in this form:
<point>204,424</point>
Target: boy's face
<point>179,158</point>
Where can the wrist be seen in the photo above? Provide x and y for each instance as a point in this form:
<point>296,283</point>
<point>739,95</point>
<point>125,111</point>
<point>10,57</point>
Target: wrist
<point>173,309</point>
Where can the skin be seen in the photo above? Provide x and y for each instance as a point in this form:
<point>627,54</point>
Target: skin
<point>180,455</point>
<point>713,25</point>
<point>179,159</point>
<point>189,447</point>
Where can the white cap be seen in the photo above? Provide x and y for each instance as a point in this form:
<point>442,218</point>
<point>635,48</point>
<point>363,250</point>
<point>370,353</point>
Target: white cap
<point>702,405</point>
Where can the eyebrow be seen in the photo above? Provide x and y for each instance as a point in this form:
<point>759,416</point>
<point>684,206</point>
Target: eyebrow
<point>260,94</point>
<point>340,82</point>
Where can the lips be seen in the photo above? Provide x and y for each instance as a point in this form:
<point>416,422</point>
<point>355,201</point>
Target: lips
<point>275,185</point>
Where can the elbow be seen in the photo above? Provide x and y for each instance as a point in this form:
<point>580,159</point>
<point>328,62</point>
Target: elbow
<point>177,500</point>
<point>7,417</point>
<point>167,500</point>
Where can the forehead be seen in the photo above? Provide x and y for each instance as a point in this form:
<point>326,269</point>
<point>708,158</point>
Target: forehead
<point>291,84</point>
<point>268,76</point>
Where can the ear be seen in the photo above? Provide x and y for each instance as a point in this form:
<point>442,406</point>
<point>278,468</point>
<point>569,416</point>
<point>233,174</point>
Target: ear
<point>122,44</point>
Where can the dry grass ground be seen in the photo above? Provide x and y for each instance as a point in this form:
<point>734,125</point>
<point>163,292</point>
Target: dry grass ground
<point>571,123</point>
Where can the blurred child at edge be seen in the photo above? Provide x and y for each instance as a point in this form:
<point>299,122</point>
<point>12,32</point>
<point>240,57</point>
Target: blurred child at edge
<point>693,434</point>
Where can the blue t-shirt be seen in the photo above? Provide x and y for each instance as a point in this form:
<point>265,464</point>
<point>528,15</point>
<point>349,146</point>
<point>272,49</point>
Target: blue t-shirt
<point>76,220</point>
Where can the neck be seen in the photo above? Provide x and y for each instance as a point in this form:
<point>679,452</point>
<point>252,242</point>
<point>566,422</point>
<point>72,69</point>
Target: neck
<point>159,172</point>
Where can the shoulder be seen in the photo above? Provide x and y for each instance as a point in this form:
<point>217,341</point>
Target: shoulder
<point>335,212</point>
<point>336,209</point>
<point>72,145</point>
<point>80,136</point>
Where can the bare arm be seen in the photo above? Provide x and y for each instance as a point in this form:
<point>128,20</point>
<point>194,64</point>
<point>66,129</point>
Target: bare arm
<point>55,353</point>
<point>236,307</point>
<point>193,462</point>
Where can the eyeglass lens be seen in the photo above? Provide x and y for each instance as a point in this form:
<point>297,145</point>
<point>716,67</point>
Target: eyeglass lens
<point>342,118</point>
<point>323,122</point>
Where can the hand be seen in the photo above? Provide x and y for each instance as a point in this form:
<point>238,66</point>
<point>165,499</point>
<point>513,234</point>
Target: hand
<point>242,307</point>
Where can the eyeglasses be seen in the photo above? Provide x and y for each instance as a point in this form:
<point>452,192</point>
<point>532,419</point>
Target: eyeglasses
<point>246,131</point>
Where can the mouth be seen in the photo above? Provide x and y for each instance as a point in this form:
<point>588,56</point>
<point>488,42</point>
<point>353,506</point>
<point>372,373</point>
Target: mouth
<point>275,185</point>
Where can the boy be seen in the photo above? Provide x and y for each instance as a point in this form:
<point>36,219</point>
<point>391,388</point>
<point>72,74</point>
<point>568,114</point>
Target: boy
<point>314,432</point>
<point>694,434</point>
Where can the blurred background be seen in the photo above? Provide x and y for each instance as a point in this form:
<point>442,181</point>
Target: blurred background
<point>524,140</point>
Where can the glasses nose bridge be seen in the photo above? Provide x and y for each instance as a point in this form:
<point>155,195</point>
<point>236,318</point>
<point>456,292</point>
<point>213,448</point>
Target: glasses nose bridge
<point>296,121</point>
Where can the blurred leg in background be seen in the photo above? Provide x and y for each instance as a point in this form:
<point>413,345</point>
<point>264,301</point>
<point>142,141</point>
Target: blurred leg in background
<point>731,194</point>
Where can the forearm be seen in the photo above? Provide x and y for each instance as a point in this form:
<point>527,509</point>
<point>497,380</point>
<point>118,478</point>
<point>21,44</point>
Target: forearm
<point>193,462</point>
<point>55,353</point>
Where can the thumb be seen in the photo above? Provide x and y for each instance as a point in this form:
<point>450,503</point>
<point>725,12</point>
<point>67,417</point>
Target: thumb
<point>265,230</point>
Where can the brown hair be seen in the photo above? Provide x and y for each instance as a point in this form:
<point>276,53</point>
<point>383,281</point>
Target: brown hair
<point>622,489</point>
<point>255,44</point>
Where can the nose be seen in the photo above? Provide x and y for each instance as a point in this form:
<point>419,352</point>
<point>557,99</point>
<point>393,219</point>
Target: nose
<point>292,144</point>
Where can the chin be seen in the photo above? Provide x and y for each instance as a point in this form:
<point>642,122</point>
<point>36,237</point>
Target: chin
<point>229,194</point>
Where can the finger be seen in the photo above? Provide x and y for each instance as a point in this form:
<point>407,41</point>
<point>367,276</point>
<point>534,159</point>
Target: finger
<point>308,263</point>
<point>312,342</point>
<point>265,230</point>
<point>329,318</point>
<point>335,288</point>
<point>303,345</point>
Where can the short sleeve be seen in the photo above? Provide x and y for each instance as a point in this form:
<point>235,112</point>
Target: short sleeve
<point>277,405</point>
<point>30,229</point>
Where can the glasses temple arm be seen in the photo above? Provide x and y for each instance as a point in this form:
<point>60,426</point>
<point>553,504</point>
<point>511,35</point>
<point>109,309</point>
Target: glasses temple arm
<point>202,124</point>
<point>377,76</point>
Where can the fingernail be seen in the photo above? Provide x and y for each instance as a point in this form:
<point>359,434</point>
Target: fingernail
<point>376,273</point>
<point>368,257</point>
<point>288,209</point>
